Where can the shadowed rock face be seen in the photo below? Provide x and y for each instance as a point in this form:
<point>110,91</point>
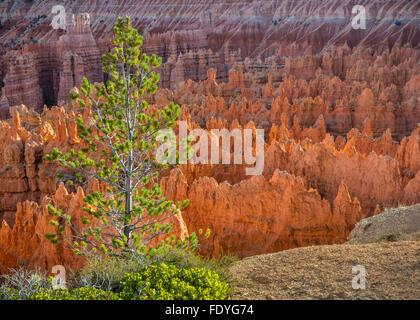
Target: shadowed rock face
<point>190,36</point>
<point>45,71</point>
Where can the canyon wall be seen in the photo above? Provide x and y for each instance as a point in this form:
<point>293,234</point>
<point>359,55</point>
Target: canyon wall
<point>313,189</point>
<point>340,109</point>
<point>28,185</point>
<point>45,72</point>
<point>191,37</point>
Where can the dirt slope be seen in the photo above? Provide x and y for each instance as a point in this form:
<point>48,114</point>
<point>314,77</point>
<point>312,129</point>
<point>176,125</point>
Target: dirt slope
<point>391,225</point>
<point>325,272</point>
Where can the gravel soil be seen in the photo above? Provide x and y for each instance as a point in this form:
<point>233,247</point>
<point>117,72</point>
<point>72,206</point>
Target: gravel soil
<point>325,272</point>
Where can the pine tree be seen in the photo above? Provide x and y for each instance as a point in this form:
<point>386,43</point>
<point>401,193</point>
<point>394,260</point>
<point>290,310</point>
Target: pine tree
<point>131,212</point>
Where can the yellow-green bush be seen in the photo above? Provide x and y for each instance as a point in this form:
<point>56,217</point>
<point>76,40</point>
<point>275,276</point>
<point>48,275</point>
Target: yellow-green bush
<point>105,274</point>
<point>186,260</point>
<point>8,293</point>
<point>85,293</point>
<point>167,282</point>
<point>154,282</point>
<point>109,282</point>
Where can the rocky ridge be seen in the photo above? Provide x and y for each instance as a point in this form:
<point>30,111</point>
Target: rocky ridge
<point>312,191</point>
<point>340,110</point>
<point>192,37</point>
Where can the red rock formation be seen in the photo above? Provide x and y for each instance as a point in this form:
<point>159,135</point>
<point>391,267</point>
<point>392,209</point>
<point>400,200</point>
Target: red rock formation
<point>4,107</point>
<point>21,84</point>
<point>340,109</point>
<point>25,244</point>
<point>259,215</point>
<point>195,36</point>
<point>45,73</point>
<point>408,154</point>
<point>308,204</point>
<point>79,55</point>
<point>411,190</point>
<point>344,103</point>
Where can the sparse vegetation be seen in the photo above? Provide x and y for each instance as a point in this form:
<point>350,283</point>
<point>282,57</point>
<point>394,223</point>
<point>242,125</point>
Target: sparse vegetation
<point>106,274</point>
<point>21,284</point>
<point>188,259</point>
<point>390,237</point>
<point>170,274</point>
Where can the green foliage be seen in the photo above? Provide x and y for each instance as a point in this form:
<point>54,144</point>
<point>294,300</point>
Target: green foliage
<point>106,274</point>
<point>188,259</point>
<point>7,293</point>
<point>85,293</point>
<point>125,132</point>
<point>21,284</point>
<point>117,278</point>
<point>167,282</point>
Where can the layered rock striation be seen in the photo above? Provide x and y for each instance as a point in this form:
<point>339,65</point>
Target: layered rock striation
<point>314,188</point>
<point>340,109</point>
<point>45,72</point>
<point>194,36</point>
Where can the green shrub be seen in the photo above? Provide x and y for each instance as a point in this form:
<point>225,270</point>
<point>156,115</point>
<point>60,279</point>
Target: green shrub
<point>106,274</point>
<point>186,260</point>
<point>167,282</point>
<point>7,293</point>
<point>21,284</point>
<point>154,282</point>
<point>85,293</point>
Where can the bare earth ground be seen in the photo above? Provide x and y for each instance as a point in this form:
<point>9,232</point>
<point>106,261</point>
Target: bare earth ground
<point>325,272</point>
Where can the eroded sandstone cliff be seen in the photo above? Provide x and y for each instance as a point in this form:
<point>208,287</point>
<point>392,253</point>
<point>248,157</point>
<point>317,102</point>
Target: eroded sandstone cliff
<point>313,190</point>
<point>340,109</point>
<point>195,35</point>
